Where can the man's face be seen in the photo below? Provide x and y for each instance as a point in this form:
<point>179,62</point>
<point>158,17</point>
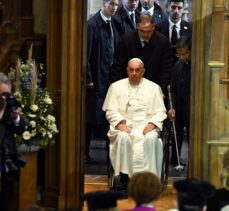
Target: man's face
<point>147,4</point>
<point>145,30</point>
<point>135,72</point>
<point>110,7</point>
<point>131,5</point>
<point>5,88</point>
<point>175,10</point>
<point>183,54</point>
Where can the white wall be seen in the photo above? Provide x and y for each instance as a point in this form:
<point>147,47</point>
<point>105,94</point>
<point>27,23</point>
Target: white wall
<point>93,7</point>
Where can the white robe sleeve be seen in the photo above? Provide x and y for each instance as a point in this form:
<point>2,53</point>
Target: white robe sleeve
<point>159,110</point>
<point>111,107</point>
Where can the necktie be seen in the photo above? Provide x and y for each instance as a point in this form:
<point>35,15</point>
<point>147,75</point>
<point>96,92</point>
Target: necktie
<point>145,44</point>
<point>174,36</point>
<point>132,18</point>
<point>111,35</point>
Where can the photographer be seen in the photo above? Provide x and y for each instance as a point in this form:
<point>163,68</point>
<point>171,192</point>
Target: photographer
<point>10,123</point>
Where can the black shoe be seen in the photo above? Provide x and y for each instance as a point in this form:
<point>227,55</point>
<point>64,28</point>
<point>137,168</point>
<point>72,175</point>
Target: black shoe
<point>124,180</point>
<point>119,187</point>
<point>121,182</point>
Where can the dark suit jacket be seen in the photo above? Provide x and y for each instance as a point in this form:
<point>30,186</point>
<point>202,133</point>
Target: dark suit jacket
<point>180,87</point>
<point>99,60</point>
<point>123,22</point>
<point>219,200</point>
<point>7,131</point>
<point>157,57</point>
<point>185,28</point>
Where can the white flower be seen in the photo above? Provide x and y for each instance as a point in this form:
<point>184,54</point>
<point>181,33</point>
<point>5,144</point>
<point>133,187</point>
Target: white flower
<point>51,118</point>
<point>34,107</point>
<point>26,135</point>
<point>42,118</point>
<point>17,95</point>
<point>40,124</point>
<point>32,115</point>
<point>33,123</point>
<point>48,100</point>
<point>53,127</point>
<point>50,135</point>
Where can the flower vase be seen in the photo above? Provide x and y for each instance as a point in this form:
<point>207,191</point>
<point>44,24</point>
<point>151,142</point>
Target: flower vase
<point>28,177</point>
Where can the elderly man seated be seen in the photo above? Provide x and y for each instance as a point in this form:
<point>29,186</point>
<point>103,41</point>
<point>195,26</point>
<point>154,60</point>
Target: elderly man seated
<point>135,109</point>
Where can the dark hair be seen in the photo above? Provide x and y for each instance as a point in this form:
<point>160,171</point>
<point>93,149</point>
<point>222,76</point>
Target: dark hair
<point>105,1</point>
<point>184,42</point>
<point>144,187</point>
<point>169,1</point>
<point>145,18</point>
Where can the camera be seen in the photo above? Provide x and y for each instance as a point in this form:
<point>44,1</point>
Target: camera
<point>11,104</point>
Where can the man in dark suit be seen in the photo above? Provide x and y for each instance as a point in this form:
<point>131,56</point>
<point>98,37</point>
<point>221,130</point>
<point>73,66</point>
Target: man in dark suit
<point>127,16</point>
<point>11,123</point>
<point>180,89</point>
<point>101,42</point>
<point>174,26</point>
<point>151,47</point>
<point>152,8</point>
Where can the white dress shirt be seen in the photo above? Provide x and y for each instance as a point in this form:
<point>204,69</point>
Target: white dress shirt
<point>178,26</point>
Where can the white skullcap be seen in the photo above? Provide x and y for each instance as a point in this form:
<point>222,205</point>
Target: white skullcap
<point>136,59</point>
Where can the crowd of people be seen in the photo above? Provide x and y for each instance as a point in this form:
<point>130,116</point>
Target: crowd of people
<point>145,188</point>
<point>135,51</point>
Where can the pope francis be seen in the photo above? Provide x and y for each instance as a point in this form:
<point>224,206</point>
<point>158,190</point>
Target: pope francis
<point>135,109</point>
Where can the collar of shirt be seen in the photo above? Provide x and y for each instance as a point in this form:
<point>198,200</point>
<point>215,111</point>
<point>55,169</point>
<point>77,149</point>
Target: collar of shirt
<point>147,205</point>
<point>150,11</point>
<point>104,17</point>
<point>171,24</point>
<point>177,25</point>
<point>142,41</point>
<point>128,11</point>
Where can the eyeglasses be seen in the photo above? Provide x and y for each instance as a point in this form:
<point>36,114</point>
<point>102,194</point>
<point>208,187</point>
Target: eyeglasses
<point>178,7</point>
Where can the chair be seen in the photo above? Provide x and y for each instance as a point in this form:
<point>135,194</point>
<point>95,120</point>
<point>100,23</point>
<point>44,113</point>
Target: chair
<point>165,137</point>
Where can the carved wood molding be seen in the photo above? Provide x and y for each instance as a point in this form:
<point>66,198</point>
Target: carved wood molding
<point>227,104</point>
<point>66,67</point>
<point>217,150</point>
<point>226,4</point>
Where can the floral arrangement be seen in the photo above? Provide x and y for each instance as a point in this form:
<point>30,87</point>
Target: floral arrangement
<point>36,104</point>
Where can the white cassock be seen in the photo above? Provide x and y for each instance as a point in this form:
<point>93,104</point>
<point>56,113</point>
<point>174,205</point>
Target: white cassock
<point>137,105</point>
